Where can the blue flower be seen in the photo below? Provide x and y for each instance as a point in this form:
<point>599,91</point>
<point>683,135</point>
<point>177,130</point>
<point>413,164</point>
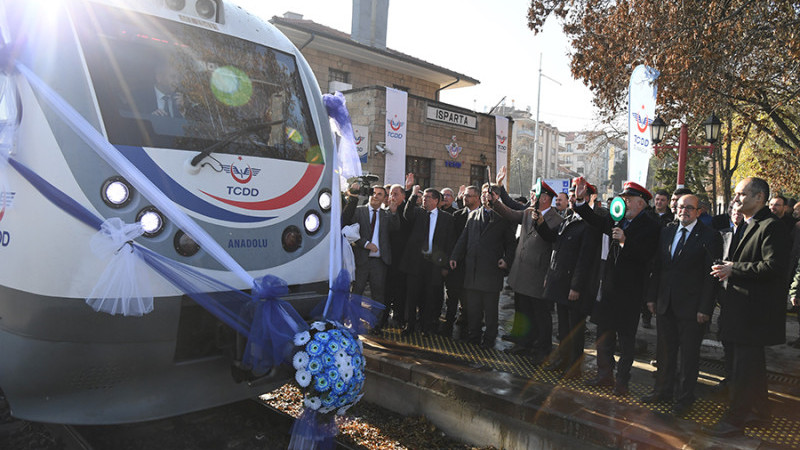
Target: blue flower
<point>329,399</point>
<point>322,336</point>
<point>314,348</point>
<point>339,386</point>
<point>321,384</point>
<point>332,374</point>
<point>346,344</point>
<point>336,334</point>
<point>328,360</point>
<point>333,347</point>
<point>315,365</point>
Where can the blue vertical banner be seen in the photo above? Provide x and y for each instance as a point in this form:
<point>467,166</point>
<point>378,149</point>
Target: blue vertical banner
<point>641,113</point>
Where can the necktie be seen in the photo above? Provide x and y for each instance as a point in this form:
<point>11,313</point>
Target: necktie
<point>679,245</point>
<point>372,223</point>
<point>167,104</point>
<point>428,229</point>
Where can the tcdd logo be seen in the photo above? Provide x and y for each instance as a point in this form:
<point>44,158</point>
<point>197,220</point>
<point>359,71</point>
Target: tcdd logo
<point>242,191</point>
<point>395,126</point>
<point>642,121</point>
<point>242,176</point>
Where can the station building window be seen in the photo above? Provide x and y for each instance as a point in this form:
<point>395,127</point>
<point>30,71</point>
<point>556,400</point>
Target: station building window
<point>421,168</point>
<point>477,175</point>
<point>338,75</point>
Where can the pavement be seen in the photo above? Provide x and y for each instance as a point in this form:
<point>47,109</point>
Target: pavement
<point>490,398</point>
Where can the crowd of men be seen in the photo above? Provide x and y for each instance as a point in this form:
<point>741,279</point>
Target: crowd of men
<point>672,260</point>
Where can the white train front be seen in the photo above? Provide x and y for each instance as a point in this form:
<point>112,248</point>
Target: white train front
<point>221,113</point>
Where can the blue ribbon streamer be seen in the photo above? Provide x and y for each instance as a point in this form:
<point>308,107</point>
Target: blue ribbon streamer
<point>313,431</point>
<point>353,310</point>
<point>275,322</point>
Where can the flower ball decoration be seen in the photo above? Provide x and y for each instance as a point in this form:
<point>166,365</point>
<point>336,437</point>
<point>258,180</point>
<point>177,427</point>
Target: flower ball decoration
<point>330,367</point>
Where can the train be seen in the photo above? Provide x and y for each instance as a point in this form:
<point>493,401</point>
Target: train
<point>220,114</point>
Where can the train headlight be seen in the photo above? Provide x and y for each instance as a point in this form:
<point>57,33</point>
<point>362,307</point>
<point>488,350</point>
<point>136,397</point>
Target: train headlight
<point>177,5</point>
<point>291,238</point>
<point>312,222</point>
<point>184,244</point>
<point>152,221</point>
<point>325,200</point>
<point>116,192</point>
<point>206,8</point>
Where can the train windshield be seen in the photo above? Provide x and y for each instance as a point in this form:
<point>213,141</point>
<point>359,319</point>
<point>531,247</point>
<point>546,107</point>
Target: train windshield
<point>170,85</point>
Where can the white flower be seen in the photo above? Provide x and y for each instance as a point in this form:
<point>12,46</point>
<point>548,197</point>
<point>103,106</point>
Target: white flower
<point>312,402</point>
<point>319,326</point>
<point>346,373</point>
<point>303,378</point>
<point>326,409</point>
<point>302,338</point>
<point>300,360</point>
<point>341,411</point>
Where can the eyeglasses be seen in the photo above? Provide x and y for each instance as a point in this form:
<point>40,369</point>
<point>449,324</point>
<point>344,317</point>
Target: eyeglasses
<point>687,207</point>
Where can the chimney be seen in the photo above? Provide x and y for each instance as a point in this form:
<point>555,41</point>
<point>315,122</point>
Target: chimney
<point>369,22</point>
<point>292,15</point>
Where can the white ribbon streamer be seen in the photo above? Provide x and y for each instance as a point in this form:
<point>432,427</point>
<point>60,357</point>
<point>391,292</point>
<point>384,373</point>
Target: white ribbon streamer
<point>123,287</point>
<point>350,234</point>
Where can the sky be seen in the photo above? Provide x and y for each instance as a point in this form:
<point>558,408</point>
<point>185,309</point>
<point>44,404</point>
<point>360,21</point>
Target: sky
<point>486,40</point>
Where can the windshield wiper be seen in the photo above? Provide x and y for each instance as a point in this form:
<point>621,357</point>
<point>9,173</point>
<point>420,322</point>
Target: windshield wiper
<point>230,137</point>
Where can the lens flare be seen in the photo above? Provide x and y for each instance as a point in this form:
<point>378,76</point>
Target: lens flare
<point>231,86</point>
<point>294,135</point>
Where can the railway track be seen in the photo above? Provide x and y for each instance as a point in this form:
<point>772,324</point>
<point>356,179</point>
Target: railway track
<point>245,425</point>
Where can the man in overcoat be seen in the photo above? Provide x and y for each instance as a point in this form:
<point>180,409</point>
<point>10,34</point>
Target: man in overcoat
<point>526,278</point>
<point>571,284</point>
<point>623,283</point>
<point>485,249</point>
<point>753,309</point>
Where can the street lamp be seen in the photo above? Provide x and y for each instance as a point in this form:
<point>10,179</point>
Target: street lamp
<point>658,128</point>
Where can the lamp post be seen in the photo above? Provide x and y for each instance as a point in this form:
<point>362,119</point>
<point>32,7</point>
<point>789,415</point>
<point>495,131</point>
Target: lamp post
<point>536,128</point>
<point>659,127</point>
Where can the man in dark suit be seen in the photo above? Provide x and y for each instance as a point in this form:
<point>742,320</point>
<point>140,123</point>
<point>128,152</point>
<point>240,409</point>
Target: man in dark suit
<point>448,201</point>
<point>455,279</point>
<point>395,278</point>
<point>571,284</point>
<point>625,275</point>
<point>426,260</point>
<point>753,307</point>
<point>486,250</point>
<point>372,251</point>
<point>681,294</point>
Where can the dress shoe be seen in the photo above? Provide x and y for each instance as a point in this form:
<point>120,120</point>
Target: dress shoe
<point>655,397</point>
<point>594,382</point>
<point>758,420</point>
<point>518,349</point>
<point>681,408</point>
<point>723,429</point>
<point>621,390</point>
<point>555,365</point>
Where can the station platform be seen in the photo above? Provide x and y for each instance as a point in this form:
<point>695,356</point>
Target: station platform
<point>486,397</point>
